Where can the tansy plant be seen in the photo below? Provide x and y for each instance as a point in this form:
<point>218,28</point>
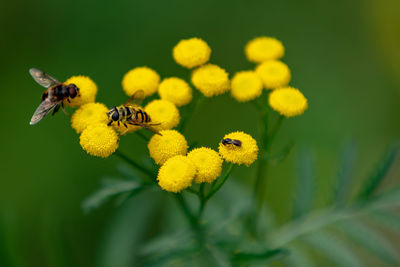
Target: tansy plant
<point>246,238</point>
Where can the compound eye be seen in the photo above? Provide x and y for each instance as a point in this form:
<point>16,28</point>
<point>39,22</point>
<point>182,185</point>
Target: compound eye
<point>73,92</point>
<point>115,116</point>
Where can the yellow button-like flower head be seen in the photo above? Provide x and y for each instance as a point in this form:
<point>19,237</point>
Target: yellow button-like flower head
<point>140,78</point>
<point>288,101</point>
<point>169,144</point>
<point>163,112</point>
<point>261,49</point>
<point>246,86</point>
<point>191,53</point>
<point>99,140</point>
<point>208,164</point>
<point>211,80</point>
<point>87,91</point>
<point>274,74</point>
<point>176,91</point>
<point>246,153</point>
<point>88,114</point>
<point>176,174</point>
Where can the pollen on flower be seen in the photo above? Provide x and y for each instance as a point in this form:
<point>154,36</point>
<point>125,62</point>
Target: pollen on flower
<point>176,174</point>
<point>288,101</point>
<point>88,114</point>
<point>87,91</point>
<point>140,78</point>
<point>176,91</point>
<point>163,113</point>
<point>99,140</point>
<point>211,80</point>
<point>245,154</point>
<point>169,144</point>
<point>246,86</point>
<point>274,74</point>
<point>191,53</point>
<point>208,164</point>
<point>264,48</point>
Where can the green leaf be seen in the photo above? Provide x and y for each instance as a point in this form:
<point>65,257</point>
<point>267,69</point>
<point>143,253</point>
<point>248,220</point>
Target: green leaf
<point>298,257</point>
<point>305,188</point>
<point>126,230</point>
<point>370,239</point>
<point>109,189</point>
<point>386,218</point>
<point>333,248</point>
<point>373,182</point>
<point>262,257</point>
<point>346,174</point>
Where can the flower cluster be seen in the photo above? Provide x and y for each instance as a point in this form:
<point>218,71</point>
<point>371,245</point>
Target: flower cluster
<point>179,168</point>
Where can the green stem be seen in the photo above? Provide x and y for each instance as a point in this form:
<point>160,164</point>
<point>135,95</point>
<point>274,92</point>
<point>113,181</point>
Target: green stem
<point>274,131</point>
<point>185,208</point>
<point>266,140</point>
<point>224,178</point>
<point>195,105</point>
<point>134,163</point>
<point>214,189</point>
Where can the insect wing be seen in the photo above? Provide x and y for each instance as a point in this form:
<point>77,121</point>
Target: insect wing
<point>42,78</point>
<point>44,108</point>
<point>136,98</point>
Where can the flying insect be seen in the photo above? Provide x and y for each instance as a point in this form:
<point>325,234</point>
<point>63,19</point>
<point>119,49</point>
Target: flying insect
<point>53,98</point>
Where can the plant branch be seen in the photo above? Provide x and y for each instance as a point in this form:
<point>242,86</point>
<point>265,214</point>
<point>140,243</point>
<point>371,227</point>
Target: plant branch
<point>134,163</point>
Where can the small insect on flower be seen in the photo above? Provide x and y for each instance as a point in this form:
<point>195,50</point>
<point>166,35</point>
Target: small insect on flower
<point>55,95</point>
<point>131,113</point>
<point>87,90</point>
<point>245,154</point>
<point>228,141</point>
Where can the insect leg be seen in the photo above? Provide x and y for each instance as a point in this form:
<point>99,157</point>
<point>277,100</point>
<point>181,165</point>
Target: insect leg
<point>55,110</point>
<point>63,109</point>
<point>109,123</point>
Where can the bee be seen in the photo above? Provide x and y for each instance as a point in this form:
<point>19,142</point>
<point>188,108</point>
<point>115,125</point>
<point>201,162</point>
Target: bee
<point>131,113</point>
<point>228,141</point>
<point>53,98</point>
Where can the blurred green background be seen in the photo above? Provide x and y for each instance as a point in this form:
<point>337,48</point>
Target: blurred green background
<point>344,56</point>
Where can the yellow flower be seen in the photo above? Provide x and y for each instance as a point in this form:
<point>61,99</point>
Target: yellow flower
<point>246,153</point>
<point>264,48</point>
<point>208,164</point>
<point>169,144</point>
<point>246,86</point>
<point>211,80</point>
<point>140,78</point>
<point>87,91</point>
<point>288,101</point>
<point>176,174</point>
<point>176,91</point>
<point>191,52</point>
<point>274,74</point>
<point>99,140</point>
<point>91,113</point>
<point>163,112</point>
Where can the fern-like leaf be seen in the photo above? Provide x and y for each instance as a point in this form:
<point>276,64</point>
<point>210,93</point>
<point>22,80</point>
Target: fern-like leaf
<point>110,188</point>
<point>370,239</point>
<point>346,174</point>
<point>373,182</point>
<point>332,248</point>
<point>305,189</point>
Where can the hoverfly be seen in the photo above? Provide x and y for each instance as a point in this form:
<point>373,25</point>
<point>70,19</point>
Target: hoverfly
<point>53,97</point>
<point>131,113</point>
<point>228,141</point>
